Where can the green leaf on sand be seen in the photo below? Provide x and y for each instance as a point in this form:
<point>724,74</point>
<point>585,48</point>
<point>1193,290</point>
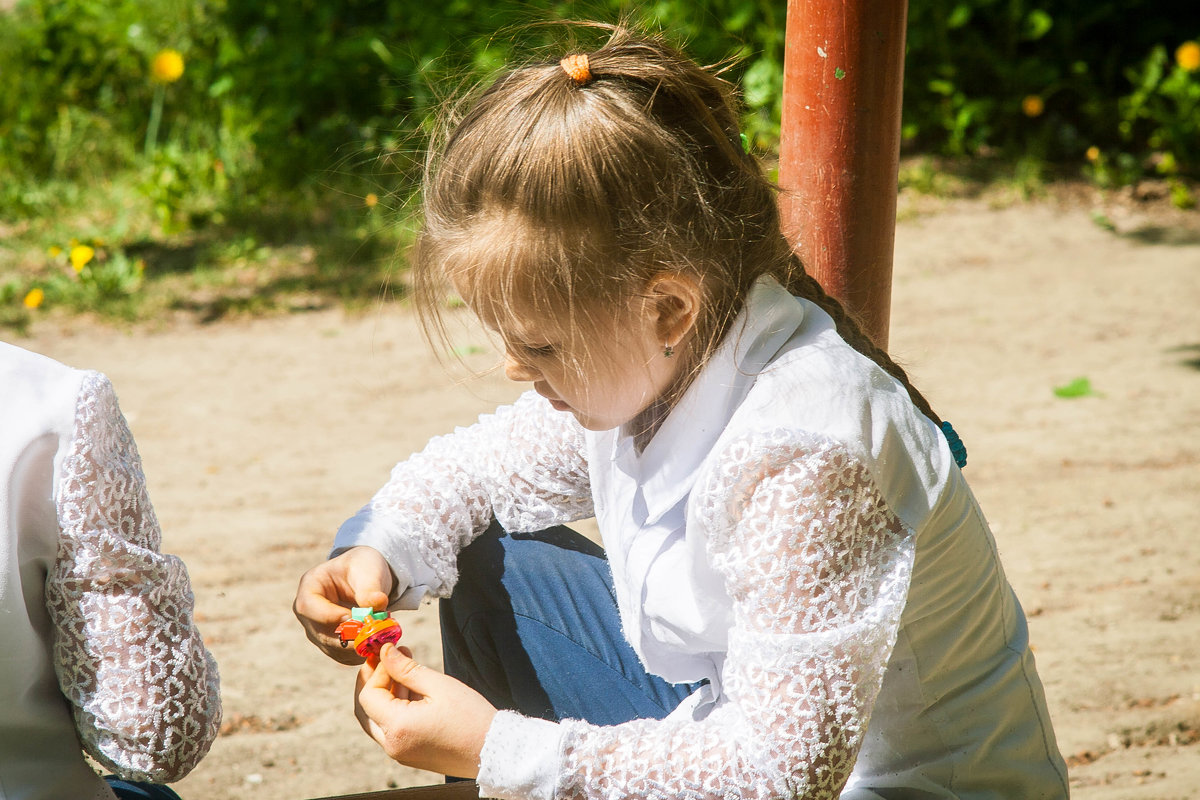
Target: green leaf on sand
<point>1080,387</point>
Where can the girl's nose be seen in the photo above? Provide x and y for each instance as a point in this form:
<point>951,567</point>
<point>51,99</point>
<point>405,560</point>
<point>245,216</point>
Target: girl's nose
<point>517,371</point>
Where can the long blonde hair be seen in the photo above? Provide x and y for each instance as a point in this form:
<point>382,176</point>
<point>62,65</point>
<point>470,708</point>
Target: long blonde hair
<point>566,197</point>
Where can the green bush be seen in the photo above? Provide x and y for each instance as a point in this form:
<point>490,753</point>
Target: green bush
<point>279,94</point>
<point>1049,79</point>
<point>336,83</point>
<point>84,94</point>
<point>1164,108</point>
<point>274,94</point>
<point>280,152</point>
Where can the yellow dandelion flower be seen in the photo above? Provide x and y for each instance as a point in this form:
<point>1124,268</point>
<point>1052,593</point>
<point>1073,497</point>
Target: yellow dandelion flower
<point>1033,106</point>
<point>167,66</point>
<point>1093,154</point>
<point>54,251</point>
<point>81,254</point>
<point>34,297</point>
<point>371,200</point>
<point>1187,56</point>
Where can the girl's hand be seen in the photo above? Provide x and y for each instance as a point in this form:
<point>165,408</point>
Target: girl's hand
<point>420,717</point>
<point>358,577</point>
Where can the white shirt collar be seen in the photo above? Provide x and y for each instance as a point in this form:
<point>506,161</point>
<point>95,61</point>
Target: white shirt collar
<point>666,469</point>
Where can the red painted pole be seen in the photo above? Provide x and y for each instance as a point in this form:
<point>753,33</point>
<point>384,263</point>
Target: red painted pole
<point>839,151</point>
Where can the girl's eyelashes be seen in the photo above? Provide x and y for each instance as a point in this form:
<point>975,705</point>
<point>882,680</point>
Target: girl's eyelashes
<point>523,351</point>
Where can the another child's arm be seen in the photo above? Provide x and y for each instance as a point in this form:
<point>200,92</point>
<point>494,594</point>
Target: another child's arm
<point>818,568</point>
<point>143,688</point>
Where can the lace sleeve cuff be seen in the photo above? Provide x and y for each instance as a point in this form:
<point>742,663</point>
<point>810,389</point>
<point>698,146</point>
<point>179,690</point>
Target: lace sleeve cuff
<point>145,690</point>
<point>520,758</point>
<point>413,578</point>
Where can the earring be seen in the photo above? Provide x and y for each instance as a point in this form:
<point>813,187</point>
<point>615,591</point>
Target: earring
<point>668,351</point>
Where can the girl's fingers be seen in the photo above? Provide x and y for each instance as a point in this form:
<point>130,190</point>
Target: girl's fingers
<point>378,679</point>
<point>369,578</point>
<point>376,732</point>
<point>358,577</point>
<point>370,598</point>
<point>398,663</point>
<point>377,698</point>
<point>393,679</point>
<point>316,599</point>
<point>374,696</point>
<point>421,717</point>
<point>319,606</point>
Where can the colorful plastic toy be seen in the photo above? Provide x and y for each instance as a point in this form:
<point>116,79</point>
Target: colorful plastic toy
<point>369,631</point>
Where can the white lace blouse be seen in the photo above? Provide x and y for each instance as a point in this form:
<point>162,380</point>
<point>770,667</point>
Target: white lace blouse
<point>796,533</point>
<point>100,648</point>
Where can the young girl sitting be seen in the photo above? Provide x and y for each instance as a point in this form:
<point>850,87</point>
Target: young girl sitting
<point>801,597</point>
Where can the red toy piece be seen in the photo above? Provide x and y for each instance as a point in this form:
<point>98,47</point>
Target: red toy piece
<point>369,631</point>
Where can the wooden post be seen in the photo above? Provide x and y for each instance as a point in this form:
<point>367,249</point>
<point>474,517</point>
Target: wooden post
<point>839,151</point>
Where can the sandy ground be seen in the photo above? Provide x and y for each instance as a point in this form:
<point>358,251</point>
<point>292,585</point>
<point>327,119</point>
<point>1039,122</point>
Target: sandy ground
<point>260,436</point>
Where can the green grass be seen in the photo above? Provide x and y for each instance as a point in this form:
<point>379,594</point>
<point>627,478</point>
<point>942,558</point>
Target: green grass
<point>307,249</point>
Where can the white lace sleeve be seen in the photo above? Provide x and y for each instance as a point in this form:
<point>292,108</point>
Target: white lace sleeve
<point>818,568</point>
<point>524,465</point>
<point>143,688</point>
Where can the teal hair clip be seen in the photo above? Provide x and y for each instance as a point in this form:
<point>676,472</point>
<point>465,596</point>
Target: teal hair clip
<point>957,448</point>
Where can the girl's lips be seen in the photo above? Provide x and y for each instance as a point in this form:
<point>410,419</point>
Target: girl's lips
<point>557,405</point>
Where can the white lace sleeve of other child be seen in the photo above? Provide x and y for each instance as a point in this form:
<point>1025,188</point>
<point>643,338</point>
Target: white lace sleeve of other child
<point>143,687</point>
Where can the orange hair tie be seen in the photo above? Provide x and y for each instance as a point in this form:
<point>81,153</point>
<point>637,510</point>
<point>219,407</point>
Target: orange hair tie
<point>576,67</point>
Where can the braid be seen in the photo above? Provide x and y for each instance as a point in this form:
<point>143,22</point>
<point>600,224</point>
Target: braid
<point>800,282</point>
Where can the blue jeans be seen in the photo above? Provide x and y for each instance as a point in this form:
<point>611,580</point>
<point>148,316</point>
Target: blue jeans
<point>136,790</point>
<point>533,626</point>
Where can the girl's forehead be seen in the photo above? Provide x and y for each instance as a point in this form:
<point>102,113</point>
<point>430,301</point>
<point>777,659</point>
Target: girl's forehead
<point>512,327</point>
<point>514,317</point>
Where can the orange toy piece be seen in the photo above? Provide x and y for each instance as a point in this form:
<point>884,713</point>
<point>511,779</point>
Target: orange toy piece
<point>369,631</point>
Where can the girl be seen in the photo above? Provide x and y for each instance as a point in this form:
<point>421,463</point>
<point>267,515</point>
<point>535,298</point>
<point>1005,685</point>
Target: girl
<point>801,597</point>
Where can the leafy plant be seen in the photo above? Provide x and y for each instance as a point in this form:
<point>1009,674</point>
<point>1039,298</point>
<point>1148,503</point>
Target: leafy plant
<point>1042,79</point>
<point>1163,110</point>
<point>91,278</point>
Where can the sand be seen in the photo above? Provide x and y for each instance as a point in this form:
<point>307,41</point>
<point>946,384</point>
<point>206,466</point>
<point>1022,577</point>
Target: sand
<point>259,436</point>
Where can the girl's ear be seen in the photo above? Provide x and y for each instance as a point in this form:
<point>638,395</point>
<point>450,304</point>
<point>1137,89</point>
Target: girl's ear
<point>674,300</point>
